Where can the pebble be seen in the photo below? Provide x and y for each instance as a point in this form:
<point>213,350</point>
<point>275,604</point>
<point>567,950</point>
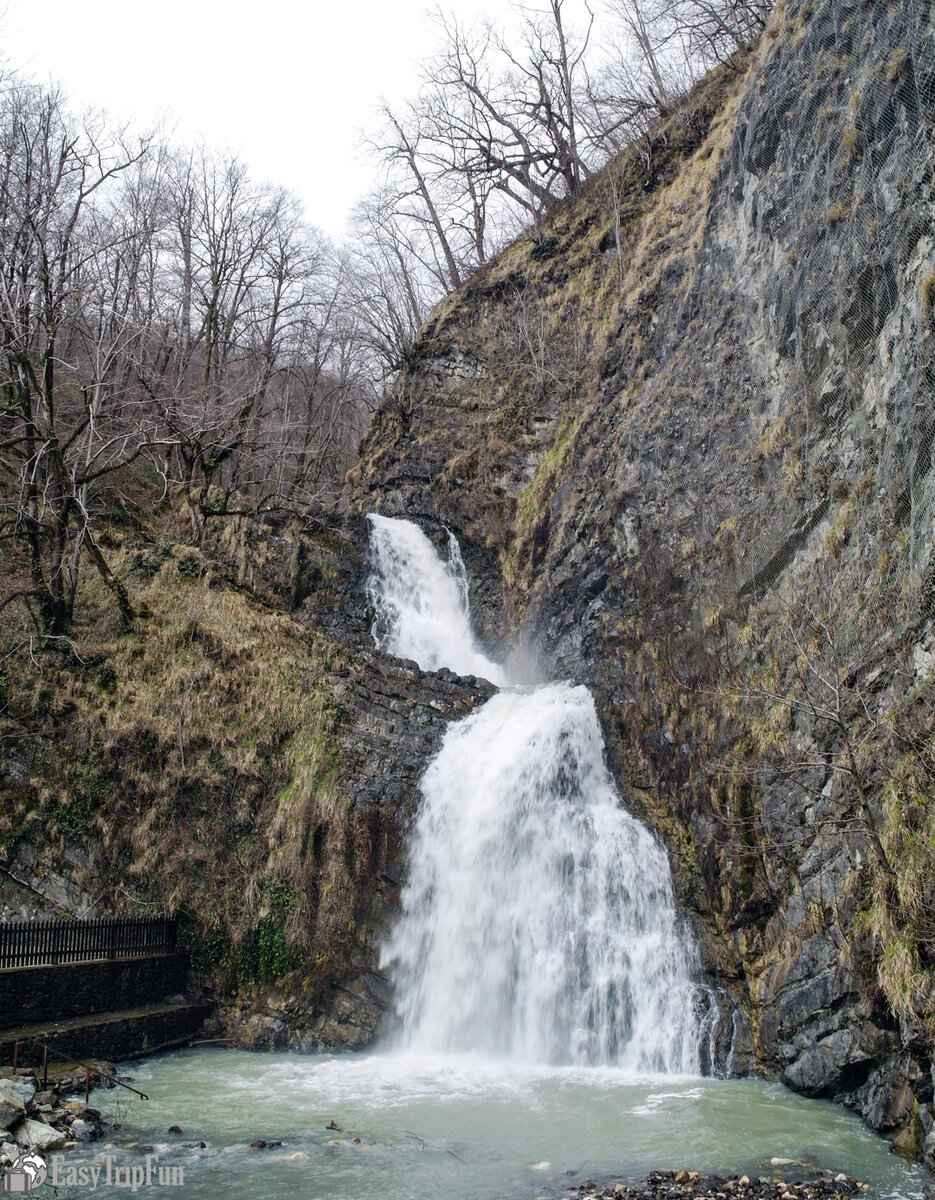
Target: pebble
<point>809,1184</point>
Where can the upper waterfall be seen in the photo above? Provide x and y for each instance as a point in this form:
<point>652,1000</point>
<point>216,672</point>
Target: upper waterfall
<point>421,603</point>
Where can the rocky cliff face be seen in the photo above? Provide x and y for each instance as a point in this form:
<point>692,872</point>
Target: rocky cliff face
<point>685,434</point>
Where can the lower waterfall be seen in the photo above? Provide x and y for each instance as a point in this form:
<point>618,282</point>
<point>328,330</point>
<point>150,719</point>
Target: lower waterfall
<point>538,922</point>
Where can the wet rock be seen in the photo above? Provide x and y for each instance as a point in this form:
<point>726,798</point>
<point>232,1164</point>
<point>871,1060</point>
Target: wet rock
<point>85,1131</point>
<point>258,1031</point>
<point>928,1151</point>
<point>887,1099</point>
<point>689,1185</point>
<point>839,1062</point>
<point>396,716</point>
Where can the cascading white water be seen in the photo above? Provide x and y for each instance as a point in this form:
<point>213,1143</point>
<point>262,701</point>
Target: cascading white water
<point>538,922</point>
<point>421,603</point>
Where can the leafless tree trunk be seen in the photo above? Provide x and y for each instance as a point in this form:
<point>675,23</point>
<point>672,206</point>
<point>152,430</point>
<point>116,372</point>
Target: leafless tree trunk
<point>51,174</point>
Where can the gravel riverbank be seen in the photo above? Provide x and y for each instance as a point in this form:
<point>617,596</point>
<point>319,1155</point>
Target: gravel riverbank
<point>785,1181</point>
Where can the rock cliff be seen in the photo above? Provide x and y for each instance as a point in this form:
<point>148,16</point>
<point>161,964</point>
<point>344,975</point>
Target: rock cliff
<point>684,431</point>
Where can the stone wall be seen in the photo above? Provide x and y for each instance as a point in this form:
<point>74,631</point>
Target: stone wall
<point>111,1037</point>
<point>29,995</point>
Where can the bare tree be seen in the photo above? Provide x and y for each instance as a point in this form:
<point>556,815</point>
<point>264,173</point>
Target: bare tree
<point>53,446</point>
<point>417,199</point>
<point>223,361</point>
<point>669,44</point>
<point>514,112</point>
<point>162,305</point>
<point>391,289</point>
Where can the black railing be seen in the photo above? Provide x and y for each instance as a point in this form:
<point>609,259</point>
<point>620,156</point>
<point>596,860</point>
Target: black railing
<point>44,943</point>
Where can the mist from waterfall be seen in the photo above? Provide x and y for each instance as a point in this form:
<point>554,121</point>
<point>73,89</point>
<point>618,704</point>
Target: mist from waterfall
<point>538,922</point>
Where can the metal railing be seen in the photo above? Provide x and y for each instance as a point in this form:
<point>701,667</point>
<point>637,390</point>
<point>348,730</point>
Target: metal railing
<point>45,943</point>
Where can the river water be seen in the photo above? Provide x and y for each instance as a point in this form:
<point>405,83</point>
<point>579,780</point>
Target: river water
<point>551,1022</point>
<point>461,1127</point>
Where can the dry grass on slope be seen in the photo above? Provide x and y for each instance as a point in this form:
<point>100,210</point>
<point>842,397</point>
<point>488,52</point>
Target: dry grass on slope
<point>192,757</point>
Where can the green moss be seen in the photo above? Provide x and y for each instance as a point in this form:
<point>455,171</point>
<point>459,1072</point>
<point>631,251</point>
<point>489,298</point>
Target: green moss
<point>265,954</point>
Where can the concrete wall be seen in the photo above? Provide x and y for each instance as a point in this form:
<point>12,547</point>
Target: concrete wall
<point>112,1037</point>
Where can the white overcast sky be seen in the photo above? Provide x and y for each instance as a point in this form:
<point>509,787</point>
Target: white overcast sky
<point>284,84</point>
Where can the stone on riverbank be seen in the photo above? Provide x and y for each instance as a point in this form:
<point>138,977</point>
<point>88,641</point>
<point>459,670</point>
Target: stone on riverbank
<point>11,1111</point>
<point>21,1087</point>
<point>691,1185</point>
<point>36,1135</point>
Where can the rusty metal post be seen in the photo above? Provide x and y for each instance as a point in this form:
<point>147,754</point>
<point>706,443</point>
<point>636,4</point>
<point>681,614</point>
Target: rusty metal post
<point>45,1067</point>
<point>15,1055</point>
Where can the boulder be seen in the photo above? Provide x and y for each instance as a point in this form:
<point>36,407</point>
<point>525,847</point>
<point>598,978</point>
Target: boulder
<point>22,1087</point>
<point>260,1032</point>
<point>36,1135</point>
<point>12,1109</point>
<point>85,1131</point>
<point>886,1100</point>
<point>928,1151</point>
<point>839,1063</point>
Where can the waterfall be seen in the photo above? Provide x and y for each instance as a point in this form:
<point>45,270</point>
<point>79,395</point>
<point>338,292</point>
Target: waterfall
<point>421,603</point>
<point>538,922</point>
